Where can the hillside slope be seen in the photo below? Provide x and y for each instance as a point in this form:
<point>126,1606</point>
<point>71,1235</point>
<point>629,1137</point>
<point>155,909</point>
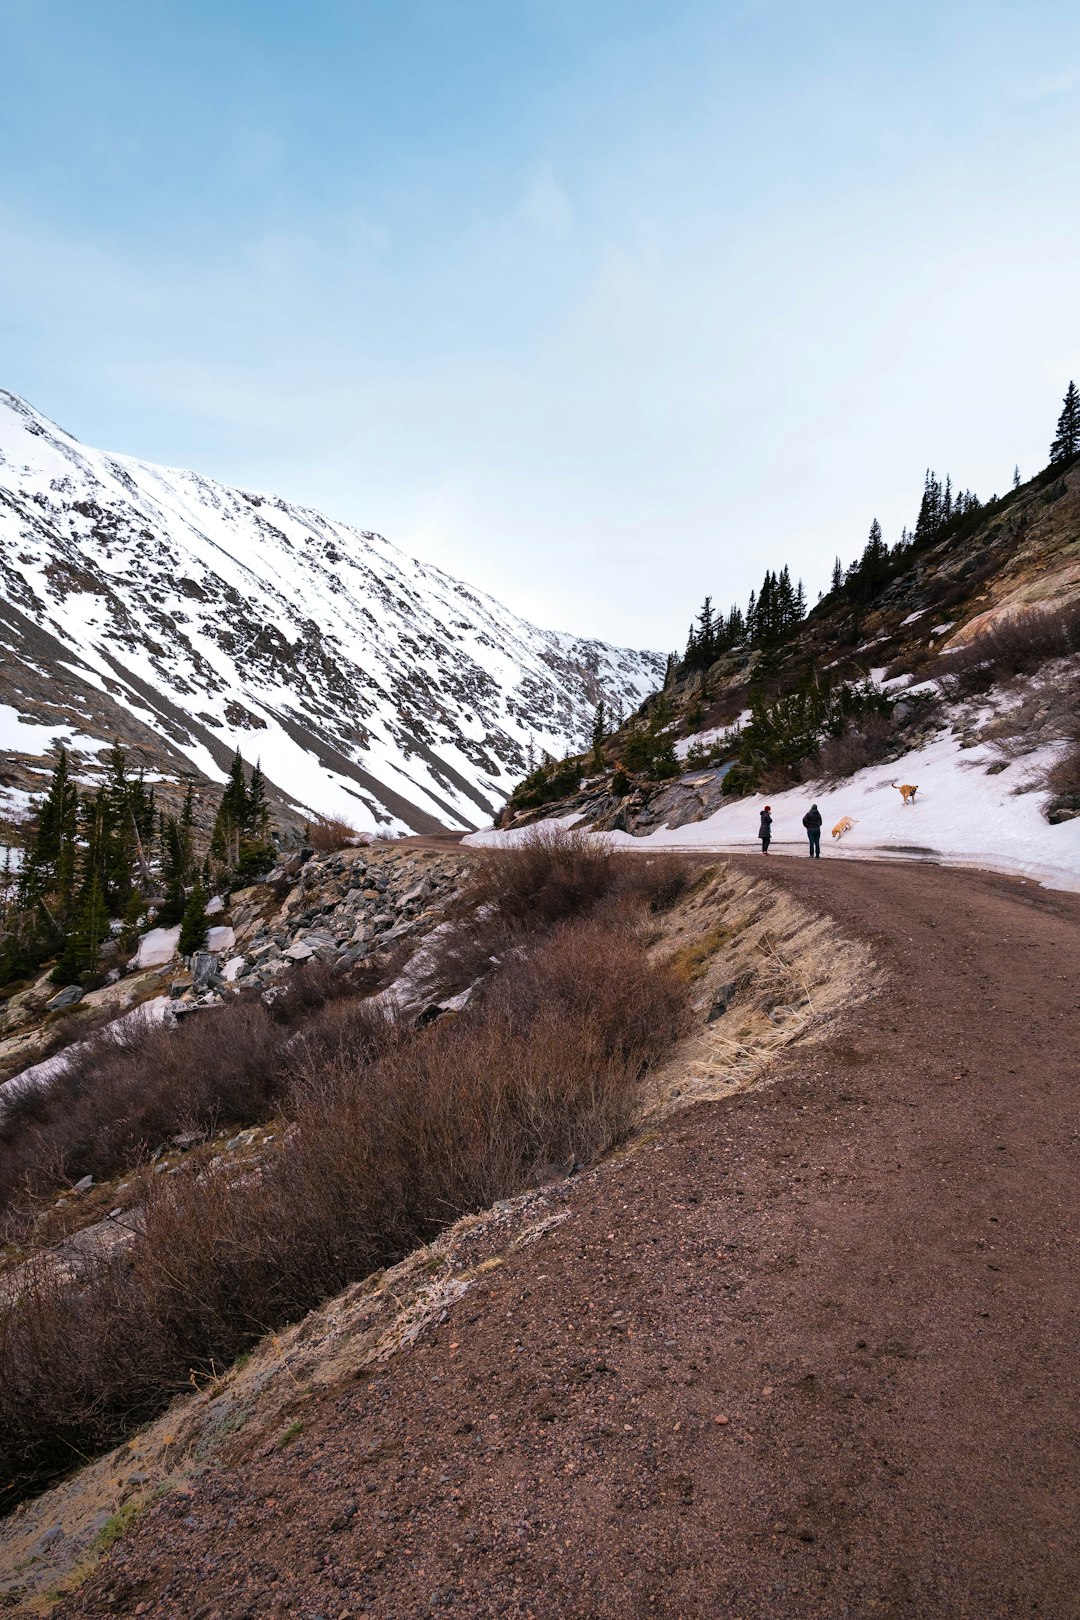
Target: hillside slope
<point>190,618</point>
<point>953,664</point>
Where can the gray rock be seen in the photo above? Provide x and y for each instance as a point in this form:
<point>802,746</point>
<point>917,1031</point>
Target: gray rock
<point>414,895</point>
<point>725,996</point>
<point>83,1185</point>
<point>299,951</point>
<point>204,966</point>
<point>49,1539</point>
<point>67,997</point>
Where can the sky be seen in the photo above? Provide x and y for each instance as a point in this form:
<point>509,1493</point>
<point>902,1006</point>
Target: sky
<point>599,304</point>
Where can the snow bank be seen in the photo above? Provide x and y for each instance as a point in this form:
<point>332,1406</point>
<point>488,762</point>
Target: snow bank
<point>157,947</point>
<point>961,817</point>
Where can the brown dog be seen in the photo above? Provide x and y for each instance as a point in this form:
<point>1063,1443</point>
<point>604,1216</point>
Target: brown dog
<point>844,825</point>
<point>907,790</point>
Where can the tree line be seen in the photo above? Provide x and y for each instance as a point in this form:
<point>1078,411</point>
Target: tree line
<point>95,859</point>
<point>771,614</point>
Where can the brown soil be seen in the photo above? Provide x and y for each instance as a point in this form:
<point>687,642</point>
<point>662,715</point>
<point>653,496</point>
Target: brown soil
<point>808,1352</point>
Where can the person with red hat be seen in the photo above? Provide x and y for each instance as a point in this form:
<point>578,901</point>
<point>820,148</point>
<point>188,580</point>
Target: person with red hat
<point>765,830</point>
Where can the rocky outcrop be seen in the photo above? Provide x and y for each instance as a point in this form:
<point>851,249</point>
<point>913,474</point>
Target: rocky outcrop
<point>341,910</point>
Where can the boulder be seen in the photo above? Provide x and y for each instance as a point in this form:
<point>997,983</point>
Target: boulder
<point>204,967</point>
<point>67,997</point>
<point>1066,807</point>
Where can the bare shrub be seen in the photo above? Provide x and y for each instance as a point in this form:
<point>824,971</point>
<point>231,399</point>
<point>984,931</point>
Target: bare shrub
<point>395,1133</point>
<point>1063,777</point>
<point>131,1088</point>
<point>1017,645</point>
<point>860,744</point>
<point>547,876</point>
<point>312,986</point>
<point>328,834</point>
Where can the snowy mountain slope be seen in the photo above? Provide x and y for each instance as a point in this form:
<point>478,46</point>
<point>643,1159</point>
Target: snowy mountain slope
<point>370,685</point>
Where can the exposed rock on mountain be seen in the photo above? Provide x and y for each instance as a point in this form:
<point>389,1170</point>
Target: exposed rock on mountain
<point>189,618</point>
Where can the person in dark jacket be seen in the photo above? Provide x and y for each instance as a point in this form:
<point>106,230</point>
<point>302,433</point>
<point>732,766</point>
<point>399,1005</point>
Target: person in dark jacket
<point>764,831</point>
<point>812,822</point>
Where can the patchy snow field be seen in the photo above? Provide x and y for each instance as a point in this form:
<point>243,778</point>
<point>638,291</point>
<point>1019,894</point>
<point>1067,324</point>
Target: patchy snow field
<point>961,817</point>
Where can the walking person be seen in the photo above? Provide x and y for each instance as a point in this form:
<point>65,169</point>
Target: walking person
<point>812,822</point>
<point>764,831</point>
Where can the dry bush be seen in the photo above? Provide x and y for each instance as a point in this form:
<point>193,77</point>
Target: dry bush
<point>943,593</point>
<point>547,876</point>
<point>1063,777</point>
<point>1017,645</point>
<point>312,986</point>
<point>862,743</point>
<point>132,1088</point>
<point>330,833</point>
<point>395,1134</point>
<point>539,882</point>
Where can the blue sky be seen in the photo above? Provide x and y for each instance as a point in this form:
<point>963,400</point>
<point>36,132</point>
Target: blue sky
<point>601,304</point>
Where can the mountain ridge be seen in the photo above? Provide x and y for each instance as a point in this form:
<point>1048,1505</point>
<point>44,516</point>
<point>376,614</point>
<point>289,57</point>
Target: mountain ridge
<point>371,685</point>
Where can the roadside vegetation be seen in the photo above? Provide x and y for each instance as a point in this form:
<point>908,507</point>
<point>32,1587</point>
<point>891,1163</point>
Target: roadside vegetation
<point>392,1128</point>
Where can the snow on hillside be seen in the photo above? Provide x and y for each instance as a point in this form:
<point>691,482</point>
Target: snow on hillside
<point>370,685</point>
<point>961,816</point>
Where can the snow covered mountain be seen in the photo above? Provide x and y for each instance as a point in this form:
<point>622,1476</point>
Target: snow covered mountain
<point>190,618</point>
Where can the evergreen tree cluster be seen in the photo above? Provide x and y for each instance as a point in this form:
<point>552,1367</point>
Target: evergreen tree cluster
<point>239,843</point>
<point>771,615</point>
<point>790,728</point>
<point>552,779</point>
<point>103,855</point>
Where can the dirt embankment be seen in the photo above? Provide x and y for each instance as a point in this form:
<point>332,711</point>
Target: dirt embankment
<point>805,1350</point>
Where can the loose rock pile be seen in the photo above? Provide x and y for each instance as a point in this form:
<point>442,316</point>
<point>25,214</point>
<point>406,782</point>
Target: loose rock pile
<point>341,910</point>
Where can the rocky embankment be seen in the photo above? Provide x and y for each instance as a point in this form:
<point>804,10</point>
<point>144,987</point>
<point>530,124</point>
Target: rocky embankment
<point>343,910</point>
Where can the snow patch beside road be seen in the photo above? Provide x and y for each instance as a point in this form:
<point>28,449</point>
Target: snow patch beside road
<point>961,817</point>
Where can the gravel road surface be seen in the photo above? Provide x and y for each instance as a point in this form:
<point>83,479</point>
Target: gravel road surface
<point>808,1354</point>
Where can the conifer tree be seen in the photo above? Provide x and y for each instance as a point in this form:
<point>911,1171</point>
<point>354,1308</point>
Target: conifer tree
<point>598,727</point>
<point>79,957</point>
<point>231,818</point>
<point>257,814</point>
<point>837,581</point>
<point>195,925</point>
<point>1016,476</point>
<point>1066,445</point>
<point>177,857</point>
<point>133,912</point>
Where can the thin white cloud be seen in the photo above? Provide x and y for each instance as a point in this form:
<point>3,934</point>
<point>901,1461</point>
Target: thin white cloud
<point>547,206</point>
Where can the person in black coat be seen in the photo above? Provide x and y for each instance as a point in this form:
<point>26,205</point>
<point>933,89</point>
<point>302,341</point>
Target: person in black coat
<point>764,831</point>
<point>812,822</point>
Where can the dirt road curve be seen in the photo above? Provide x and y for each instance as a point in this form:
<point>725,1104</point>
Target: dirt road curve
<point>811,1353</point>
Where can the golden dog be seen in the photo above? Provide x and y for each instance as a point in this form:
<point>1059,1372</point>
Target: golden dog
<point>907,790</point>
<point>844,825</point>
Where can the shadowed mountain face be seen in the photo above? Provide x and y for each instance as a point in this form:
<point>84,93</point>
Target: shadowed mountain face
<point>189,618</point>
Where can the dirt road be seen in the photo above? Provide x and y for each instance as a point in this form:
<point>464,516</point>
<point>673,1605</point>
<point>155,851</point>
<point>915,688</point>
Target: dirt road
<point>809,1353</point>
